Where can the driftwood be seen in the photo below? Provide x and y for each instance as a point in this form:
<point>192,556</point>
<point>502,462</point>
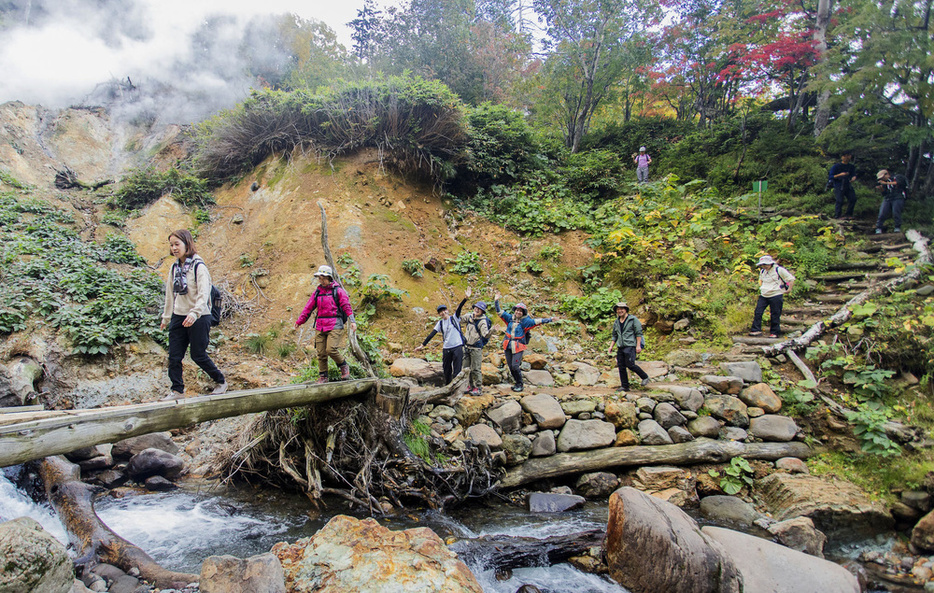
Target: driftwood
<point>30,438</point>
<point>500,552</point>
<point>355,348</point>
<point>920,244</point>
<point>94,542</point>
<point>699,451</point>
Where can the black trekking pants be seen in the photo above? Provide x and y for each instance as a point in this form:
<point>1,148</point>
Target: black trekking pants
<point>452,361</point>
<point>196,337</point>
<point>626,359</point>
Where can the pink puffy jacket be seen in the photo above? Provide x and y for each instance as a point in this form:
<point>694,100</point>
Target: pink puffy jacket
<point>328,316</point>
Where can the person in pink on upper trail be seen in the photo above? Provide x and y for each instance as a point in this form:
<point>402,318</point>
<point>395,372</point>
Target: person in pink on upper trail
<point>642,161</point>
<point>333,314</point>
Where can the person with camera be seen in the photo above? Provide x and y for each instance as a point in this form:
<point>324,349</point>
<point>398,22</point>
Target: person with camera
<point>774,282</point>
<point>187,313</point>
<point>841,176</point>
<point>628,341</point>
<point>894,191</point>
<point>333,312</point>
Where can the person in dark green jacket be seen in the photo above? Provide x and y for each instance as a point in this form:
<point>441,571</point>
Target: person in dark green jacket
<point>628,341</point>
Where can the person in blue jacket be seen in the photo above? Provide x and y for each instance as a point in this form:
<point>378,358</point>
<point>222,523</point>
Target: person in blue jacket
<point>518,325</point>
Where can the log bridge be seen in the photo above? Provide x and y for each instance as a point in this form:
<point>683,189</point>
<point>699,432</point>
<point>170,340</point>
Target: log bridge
<point>30,435</point>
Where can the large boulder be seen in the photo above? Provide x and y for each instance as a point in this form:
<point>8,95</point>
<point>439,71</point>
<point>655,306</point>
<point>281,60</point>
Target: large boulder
<point>469,408</point>
<point>729,510</point>
<point>730,384</point>
<point>922,535</point>
<point>155,462</point>
<point>749,371</point>
<point>622,414</point>
<point>127,448</point>
<point>33,560</point>
<point>760,395</point>
<point>773,427</point>
<point>653,546</point>
<point>229,574</point>
<point>727,408</point>
<point>838,508</point>
<point>418,369</point>
<point>541,378</point>
<point>545,410</point>
<point>768,567</point>
<point>549,502</point>
<point>687,398</point>
<point>507,416</point>
<point>799,534</point>
<point>481,433</point>
<point>652,433</point>
<point>579,435</point>
<point>586,374</point>
<point>362,556</point>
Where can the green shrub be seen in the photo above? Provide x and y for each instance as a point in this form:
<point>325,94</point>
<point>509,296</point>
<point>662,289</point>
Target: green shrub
<point>466,262</point>
<point>413,267</point>
<point>551,252</point>
<point>120,250</point>
<point>594,174</point>
<point>594,309</point>
<point>374,292</point>
<point>142,187</point>
<point>501,147</point>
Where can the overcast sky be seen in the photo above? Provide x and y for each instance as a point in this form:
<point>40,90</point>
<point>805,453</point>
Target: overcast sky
<point>55,52</point>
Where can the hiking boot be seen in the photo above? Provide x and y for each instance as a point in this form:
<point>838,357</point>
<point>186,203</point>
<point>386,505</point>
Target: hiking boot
<point>173,395</point>
<point>345,371</point>
<point>221,388</point>
<point>518,388</point>
<point>473,391</point>
<point>755,333</point>
<point>878,231</point>
<point>645,381</point>
<point>774,335</point>
<point>321,379</point>
<point>622,389</point>
<point>897,230</point>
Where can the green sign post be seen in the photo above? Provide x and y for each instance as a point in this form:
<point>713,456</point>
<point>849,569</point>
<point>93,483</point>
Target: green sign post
<point>760,186</point>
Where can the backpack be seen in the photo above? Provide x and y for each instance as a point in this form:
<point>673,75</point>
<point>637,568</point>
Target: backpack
<point>337,303</point>
<point>216,299</point>
<point>482,341</point>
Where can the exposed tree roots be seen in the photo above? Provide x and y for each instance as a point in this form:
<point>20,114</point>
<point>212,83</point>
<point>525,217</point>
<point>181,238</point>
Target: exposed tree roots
<point>357,451</point>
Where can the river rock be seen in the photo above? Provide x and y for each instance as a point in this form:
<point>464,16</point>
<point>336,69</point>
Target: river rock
<point>517,448</point>
<point>154,462</point>
<point>112,478</point>
<point>747,370</point>
<point>579,435</point>
<point>761,395</point>
<point>768,567</point>
<point>729,385</point>
<point>687,398</point>
<point>680,434</point>
<point>922,535</point>
<point>541,378</point>
<point>683,358</point>
<point>792,465</point>
<point>654,368</point>
<point>754,412</point>
<point>654,547</point>
<point>83,454</point>
<point>728,408</point>
<point>536,361</point>
<point>95,464</point>
<point>667,416</point>
<point>481,433</point>
<point>917,499</point>
<point>491,374</point>
<point>442,412</point>
<point>596,484</point>
<point>33,560</point>
<point>732,433</point>
<point>622,414</point>
<point>158,484</point>
<point>229,574</point>
<point>127,448</point>
<point>626,438</point>
<point>119,581</point>
<point>469,408</point>
<point>838,508</point>
<point>549,502</point>
<point>729,510</point>
<point>545,410</point>
<point>578,406</point>
<point>418,369</point>
<point>586,374</point>
<point>544,444</point>
<point>663,477</point>
<point>364,557</point>
<point>799,534</point>
<point>646,405</point>
<point>652,433</point>
<point>704,426</point>
<point>772,427</point>
<point>507,416</point>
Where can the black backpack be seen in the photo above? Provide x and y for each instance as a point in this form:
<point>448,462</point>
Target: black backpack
<point>337,304</point>
<point>216,300</point>
<point>476,324</point>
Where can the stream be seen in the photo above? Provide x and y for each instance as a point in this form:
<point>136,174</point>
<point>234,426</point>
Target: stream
<point>179,529</point>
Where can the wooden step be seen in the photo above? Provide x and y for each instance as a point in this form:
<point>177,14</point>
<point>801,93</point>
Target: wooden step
<point>839,277</point>
<point>834,298</point>
<point>856,265</point>
<point>887,237</point>
<point>763,340</point>
<point>898,246</point>
<point>883,275</point>
<point>812,310</point>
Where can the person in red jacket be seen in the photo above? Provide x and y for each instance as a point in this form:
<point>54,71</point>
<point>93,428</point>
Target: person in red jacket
<point>332,304</point>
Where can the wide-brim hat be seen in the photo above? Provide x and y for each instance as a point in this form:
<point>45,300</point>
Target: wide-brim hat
<point>325,271</point>
<point>641,149</point>
<point>882,173</point>
<point>521,306</point>
<point>765,260</point>
<point>480,305</point>
<point>620,305</point>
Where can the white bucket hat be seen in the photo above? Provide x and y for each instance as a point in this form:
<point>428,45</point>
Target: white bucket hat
<point>325,271</point>
<point>641,149</point>
<point>765,260</point>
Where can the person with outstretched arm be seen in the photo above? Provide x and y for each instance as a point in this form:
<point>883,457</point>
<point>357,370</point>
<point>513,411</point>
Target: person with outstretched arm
<point>518,325</point>
<point>627,340</point>
<point>477,330</point>
<point>452,347</point>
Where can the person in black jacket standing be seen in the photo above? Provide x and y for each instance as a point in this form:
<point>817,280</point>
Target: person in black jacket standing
<point>841,176</point>
<point>894,191</point>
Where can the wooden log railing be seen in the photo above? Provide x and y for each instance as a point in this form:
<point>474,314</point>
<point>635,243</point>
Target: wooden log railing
<point>25,436</point>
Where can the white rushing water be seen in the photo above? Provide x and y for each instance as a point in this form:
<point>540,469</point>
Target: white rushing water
<point>15,503</point>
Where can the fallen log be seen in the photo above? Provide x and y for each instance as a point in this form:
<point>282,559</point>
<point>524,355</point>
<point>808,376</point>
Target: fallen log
<point>701,450</point>
<point>73,429</point>
<point>448,395</point>
<point>93,541</point>
<point>501,552</point>
<point>920,245</point>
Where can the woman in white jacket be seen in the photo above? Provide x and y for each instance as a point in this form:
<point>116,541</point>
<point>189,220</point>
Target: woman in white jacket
<point>187,313</point>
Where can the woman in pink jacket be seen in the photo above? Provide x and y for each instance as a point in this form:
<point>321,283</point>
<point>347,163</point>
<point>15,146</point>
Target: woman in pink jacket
<point>332,304</point>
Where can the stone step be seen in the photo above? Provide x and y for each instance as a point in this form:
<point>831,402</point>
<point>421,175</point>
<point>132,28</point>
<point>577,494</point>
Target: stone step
<point>854,265</point>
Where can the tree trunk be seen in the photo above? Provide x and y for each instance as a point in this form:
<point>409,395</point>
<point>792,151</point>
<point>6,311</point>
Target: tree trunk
<point>700,451</point>
<point>501,552</point>
<point>822,114</point>
<point>94,542</point>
